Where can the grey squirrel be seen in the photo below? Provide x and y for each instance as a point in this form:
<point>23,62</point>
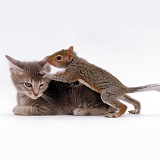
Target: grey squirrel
<point>98,79</point>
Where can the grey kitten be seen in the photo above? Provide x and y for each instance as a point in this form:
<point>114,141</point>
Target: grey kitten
<point>41,96</point>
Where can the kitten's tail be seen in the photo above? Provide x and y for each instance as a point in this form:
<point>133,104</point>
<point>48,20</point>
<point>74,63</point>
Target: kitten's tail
<point>151,87</point>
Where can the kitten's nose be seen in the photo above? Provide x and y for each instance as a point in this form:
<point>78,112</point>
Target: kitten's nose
<point>36,94</point>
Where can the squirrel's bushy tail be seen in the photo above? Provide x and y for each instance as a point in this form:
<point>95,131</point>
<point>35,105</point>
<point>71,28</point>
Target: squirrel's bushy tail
<point>151,87</point>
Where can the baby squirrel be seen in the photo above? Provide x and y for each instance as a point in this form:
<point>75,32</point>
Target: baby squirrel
<point>99,80</point>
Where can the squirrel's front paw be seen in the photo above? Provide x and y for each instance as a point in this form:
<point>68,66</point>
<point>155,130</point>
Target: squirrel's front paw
<point>45,74</point>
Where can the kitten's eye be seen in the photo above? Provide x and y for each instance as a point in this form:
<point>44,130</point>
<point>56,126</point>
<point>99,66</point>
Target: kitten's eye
<point>41,85</point>
<point>59,58</point>
<point>28,85</point>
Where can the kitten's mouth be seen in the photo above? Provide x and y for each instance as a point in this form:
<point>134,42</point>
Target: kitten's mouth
<point>35,96</point>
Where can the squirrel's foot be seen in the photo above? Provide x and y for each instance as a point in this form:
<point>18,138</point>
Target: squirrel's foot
<point>133,111</point>
<point>111,115</point>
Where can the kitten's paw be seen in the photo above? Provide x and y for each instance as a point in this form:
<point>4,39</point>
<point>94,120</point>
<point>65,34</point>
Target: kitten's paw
<point>22,110</point>
<point>79,112</point>
<point>17,110</point>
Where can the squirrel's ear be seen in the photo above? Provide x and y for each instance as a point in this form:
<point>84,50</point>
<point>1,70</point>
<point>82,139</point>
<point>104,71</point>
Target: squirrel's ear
<point>70,53</point>
<point>71,48</point>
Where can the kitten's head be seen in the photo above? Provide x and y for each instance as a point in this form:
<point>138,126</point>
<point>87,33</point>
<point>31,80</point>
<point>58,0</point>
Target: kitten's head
<point>26,77</point>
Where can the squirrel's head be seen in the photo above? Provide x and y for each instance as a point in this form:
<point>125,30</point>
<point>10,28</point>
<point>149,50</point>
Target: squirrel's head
<point>61,58</point>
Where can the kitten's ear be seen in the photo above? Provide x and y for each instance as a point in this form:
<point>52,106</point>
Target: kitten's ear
<point>46,68</point>
<point>13,66</point>
<point>70,54</point>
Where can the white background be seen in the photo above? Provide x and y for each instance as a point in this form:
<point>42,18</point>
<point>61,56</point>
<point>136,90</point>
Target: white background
<point>121,36</point>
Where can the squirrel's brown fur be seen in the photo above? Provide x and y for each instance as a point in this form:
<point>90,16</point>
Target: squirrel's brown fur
<point>98,79</point>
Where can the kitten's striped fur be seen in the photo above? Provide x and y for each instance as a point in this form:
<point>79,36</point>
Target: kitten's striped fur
<point>47,97</point>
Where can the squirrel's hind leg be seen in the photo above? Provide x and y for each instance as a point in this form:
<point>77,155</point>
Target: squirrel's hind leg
<point>132,101</point>
<point>112,101</point>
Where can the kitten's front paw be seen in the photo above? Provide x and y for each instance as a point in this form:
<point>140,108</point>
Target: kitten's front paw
<point>17,110</point>
<point>22,110</point>
<point>80,112</point>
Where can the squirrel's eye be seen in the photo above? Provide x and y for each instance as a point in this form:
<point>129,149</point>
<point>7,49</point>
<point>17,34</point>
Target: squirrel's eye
<point>28,85</point>
<point>59,58</point>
